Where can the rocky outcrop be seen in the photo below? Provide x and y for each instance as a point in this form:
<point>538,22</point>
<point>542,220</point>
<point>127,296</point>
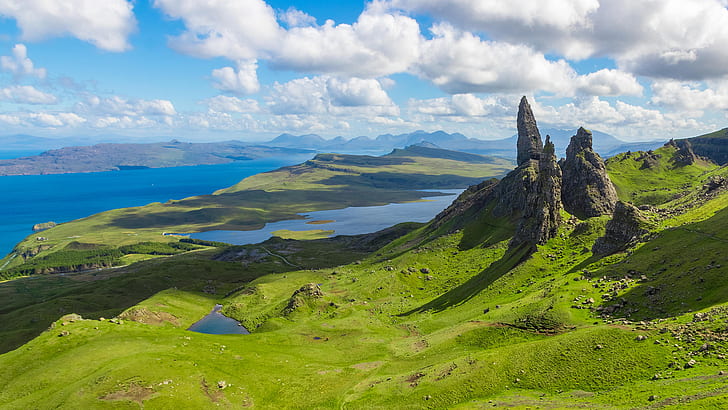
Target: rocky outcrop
<point>625,229</point>
<point>685,154</point>
<point>542,214</point>
<point>43,226</point>
<point>300,296</point>
<point>529,139</point>
<point>587,190</point>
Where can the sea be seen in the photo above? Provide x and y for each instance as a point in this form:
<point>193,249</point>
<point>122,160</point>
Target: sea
<point>26,200</point>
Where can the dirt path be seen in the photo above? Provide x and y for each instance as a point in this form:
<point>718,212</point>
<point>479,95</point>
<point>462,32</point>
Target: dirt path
<point>281,257</point>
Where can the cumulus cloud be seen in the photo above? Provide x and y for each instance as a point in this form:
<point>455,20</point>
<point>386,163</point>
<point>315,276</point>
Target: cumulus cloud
<point>42,119</point>
<point>659,38</point>
<point>691,96</point>
<point>242,80</point>
<point>608,82</point>
<point>461,62</point>
<point>119,106</point>
<point>296,18</point>
<point>105,24</point>
<point>238,30</point>
<point>330,95</point>
<point>26,94</point>
<point>20,65</point>
<point>226,104</point>
<point>377,44</point>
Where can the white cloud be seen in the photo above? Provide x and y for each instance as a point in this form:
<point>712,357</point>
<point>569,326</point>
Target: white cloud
<point>659,38</point>
<point>608,82</point>
<point>118,106</point>
<point>330,95</point>
<point>26,94</point>
<point>53,120</point>
<point>237,30</point>
<point>478,14</point>
<point>296,18</point>
<point>240,81</point>
<point>356,92</point>
<point>377,44</point>
<point>460,62</point>
<point>226,104</point>
<point>20,65</point>
<point>105,24</point>
<point>691,96</point>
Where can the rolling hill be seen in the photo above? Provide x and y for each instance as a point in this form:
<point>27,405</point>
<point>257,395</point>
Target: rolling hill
<point>520,294</point>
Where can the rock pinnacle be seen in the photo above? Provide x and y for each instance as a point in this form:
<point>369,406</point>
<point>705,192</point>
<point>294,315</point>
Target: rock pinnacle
<point>529,139</point>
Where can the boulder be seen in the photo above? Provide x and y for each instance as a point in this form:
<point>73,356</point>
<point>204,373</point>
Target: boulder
<point>625,229</point>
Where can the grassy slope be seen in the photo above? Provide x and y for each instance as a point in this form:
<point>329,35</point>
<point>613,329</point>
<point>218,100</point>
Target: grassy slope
<point>328,182</point>
<point>422,323</point>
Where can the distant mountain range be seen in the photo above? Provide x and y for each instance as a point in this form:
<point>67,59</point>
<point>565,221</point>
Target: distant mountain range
<point>605,144</point>
<point>84,157</point>
<point>114,157</point>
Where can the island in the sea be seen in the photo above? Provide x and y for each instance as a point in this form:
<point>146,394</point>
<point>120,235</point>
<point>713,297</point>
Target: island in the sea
<point>124,157</point>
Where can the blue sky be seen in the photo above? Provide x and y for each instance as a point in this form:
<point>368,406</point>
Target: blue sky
<point>250,69</point>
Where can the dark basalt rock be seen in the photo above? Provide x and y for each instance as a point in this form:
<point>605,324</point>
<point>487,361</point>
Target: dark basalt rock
<point>587,190</point>
<point>625,229</point>
<point>685,154</point>
<point>542,214</point>
<point>529,139</point>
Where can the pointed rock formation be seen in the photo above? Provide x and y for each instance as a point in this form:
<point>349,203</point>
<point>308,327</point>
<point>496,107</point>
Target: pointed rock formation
<point>587,190</point>
<point>529,139</point>
<point>542,215</point>
<point>685,154</point>
<point>625,229</point>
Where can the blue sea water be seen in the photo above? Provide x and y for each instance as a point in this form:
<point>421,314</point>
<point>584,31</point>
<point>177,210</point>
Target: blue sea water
<point>27,200</point>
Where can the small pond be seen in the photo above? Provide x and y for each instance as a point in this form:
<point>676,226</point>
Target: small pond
<point>215,323</point>
<point>347,221</point>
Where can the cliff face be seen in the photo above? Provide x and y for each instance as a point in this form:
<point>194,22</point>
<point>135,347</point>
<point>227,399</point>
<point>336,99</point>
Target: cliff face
<point>542,214</point>
<point>587,189</point>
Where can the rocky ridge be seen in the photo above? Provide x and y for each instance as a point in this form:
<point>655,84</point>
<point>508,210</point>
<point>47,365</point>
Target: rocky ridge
<point>533,195</point>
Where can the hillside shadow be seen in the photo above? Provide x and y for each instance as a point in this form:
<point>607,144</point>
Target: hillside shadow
<point>477,283</point>
<point>684,269</point>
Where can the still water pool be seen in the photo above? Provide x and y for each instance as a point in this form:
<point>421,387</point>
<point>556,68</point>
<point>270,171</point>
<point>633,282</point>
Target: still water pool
<point>215,323</point>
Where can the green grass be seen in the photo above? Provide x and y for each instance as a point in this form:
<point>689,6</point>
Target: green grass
<point>443,315</point>
<point>658,184</point>
<point>329,181</point>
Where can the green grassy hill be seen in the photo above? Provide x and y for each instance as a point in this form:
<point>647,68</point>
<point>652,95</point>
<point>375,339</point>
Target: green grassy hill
<point>329,181</point>
<point>443,315</point>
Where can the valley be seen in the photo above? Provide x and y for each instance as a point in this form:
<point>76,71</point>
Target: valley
<point>519,294</point>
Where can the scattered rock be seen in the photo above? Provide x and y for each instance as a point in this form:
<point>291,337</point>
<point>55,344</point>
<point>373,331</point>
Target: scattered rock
<point>425,270</point>
<point>222,384</point>
<point>691,363</point>
<point>64,333</point>
<point>653,398</point>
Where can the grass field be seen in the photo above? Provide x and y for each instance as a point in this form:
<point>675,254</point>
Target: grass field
<point>419,316</point>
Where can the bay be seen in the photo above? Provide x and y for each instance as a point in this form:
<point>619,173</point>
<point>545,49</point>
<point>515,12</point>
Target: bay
<point>31,199</point>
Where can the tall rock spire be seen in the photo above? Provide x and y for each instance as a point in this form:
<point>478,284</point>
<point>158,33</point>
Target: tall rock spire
<point>542,214</point>
<point>529,139</point>
<point>587,189</point>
